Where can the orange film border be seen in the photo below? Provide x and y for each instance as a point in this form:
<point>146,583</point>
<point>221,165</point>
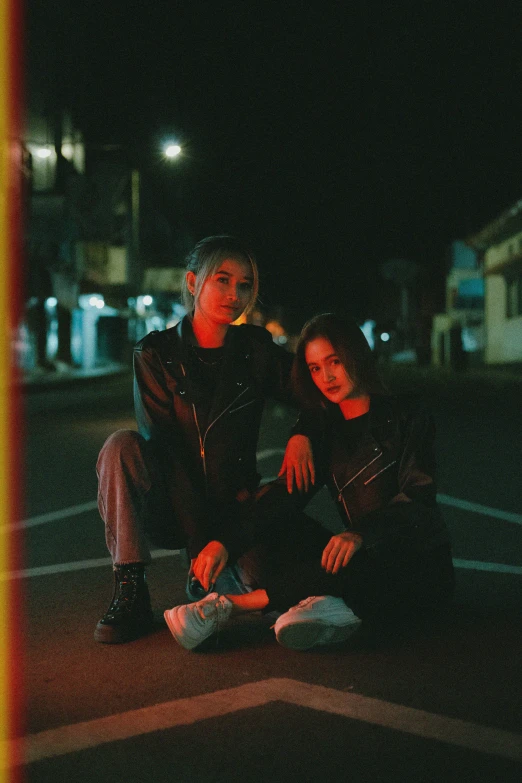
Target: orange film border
<point>11,174</point>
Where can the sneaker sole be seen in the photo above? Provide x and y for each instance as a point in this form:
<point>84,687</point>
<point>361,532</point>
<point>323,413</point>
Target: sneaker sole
<point>178,632</point>
<point>304,635</point>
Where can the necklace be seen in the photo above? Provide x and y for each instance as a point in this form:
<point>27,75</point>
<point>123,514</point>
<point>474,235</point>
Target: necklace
<point>209,364</point>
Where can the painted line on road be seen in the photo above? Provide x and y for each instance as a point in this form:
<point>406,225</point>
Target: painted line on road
<point>82,565</point>
<point>267,453</point>
<point>499,568</point>
<point>81,508</point>
<point>183,712</point>
<point>75,565</point>
<point>466,505</point>
<point>53,516</point>
<point>447,500</point>
<point>478,508</point>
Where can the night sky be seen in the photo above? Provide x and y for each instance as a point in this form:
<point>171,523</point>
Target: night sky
<point>331,135</point>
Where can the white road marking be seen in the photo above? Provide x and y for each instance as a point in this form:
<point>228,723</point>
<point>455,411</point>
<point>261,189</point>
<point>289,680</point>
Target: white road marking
<point>81,508</point>
<point>499,568</point>
<point>466,505</point>
<point>478,508</point>
<point>184,712</point>
<point>76,565</point>
<point>447,500</point>
<point>266,453</point>
<point>81,565</point>
<point>53,516</point>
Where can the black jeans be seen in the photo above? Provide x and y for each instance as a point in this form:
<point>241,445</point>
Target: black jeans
<point>374,587</point>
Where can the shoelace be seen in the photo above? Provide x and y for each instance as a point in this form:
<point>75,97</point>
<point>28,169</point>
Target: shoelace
<point>218,606</point>
<point>123,597</point>
<point>302,603</point>
<point>220,612</point>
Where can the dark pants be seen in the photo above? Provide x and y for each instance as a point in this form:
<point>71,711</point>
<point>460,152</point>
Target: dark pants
<point>134,503</point>
<point>374,587</point>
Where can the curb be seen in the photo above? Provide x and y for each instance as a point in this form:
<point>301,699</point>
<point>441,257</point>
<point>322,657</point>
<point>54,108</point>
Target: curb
<point>48,381</point>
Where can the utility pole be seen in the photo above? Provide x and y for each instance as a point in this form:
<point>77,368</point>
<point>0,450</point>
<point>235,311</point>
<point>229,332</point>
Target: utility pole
<point>136,271</point>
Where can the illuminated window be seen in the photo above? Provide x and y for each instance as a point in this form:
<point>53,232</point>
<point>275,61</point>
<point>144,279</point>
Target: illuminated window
<point>470,295</point>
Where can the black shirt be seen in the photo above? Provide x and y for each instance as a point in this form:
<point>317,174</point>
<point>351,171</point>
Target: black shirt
<point>345,437</point>
<point>205,368</point>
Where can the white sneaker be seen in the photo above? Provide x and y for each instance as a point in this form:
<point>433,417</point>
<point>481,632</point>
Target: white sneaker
<point>317,620</point>
<point>191,624</point>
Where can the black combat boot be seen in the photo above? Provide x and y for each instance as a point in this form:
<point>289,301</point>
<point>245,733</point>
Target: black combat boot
<point>130,614</point>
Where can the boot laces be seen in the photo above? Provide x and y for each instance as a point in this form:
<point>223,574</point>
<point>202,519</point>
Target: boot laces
<point>124,594</point>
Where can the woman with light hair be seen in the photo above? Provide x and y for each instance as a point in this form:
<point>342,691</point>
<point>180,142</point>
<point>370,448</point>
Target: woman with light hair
<point>187,477</point>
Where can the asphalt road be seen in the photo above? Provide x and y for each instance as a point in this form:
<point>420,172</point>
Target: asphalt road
<point>440,703</point>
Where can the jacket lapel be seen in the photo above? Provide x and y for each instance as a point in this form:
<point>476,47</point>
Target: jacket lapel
<point>234,378</point>
<point>370,451</point>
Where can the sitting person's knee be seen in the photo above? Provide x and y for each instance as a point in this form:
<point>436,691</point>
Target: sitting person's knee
<point>121,444</point>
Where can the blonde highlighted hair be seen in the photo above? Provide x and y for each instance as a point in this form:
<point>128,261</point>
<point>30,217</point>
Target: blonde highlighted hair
<point>205,259</point>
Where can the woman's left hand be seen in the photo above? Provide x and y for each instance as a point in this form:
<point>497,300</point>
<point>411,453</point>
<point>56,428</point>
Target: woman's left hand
<point>339,551</point>
<point>298,463</point>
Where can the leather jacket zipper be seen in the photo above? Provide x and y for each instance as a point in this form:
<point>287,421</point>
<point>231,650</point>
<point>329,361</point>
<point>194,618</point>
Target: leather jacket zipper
<point>377,456</point>
<point>245,405</point>
<point>222,413</point>
<point>201,444</point>
<point>202,439</point>
<point>369,481</point>
<point>341,499</point>
<point>340,496</point>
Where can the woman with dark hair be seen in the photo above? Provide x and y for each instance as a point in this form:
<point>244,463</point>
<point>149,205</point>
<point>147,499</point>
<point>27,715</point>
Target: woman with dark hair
<point>375,453</point>
<point>186,477</point>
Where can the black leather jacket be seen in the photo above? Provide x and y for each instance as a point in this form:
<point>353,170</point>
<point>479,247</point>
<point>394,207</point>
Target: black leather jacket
<point>207,469</point>
<point>385,489</point>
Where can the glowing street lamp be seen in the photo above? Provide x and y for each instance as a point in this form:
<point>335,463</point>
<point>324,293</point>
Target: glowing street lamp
<point>172,150</point>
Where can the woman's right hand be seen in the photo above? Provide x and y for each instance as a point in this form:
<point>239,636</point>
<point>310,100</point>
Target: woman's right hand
<point>298,464</point>
<point>209,564</point>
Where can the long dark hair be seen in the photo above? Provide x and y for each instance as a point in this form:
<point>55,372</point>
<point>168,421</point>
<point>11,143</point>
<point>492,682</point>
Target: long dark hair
<point>350,345</point>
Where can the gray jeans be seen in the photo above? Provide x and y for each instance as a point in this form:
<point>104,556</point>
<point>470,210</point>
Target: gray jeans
<point>134,504</point>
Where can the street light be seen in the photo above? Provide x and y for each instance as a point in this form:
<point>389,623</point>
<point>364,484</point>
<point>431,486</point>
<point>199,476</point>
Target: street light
<point>172,150</point>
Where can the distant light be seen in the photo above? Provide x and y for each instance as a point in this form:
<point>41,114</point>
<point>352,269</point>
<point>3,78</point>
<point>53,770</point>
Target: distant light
<point>43,152</point>
<point>68,150</point>
<point>88,301</point>
<point>385,337</point>
<point>51,301</point>
<point>367,329</point>
<point>172,150</point>
<point>147,300</point>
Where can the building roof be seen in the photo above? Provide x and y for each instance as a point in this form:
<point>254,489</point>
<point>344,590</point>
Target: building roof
<point>503,227</point>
